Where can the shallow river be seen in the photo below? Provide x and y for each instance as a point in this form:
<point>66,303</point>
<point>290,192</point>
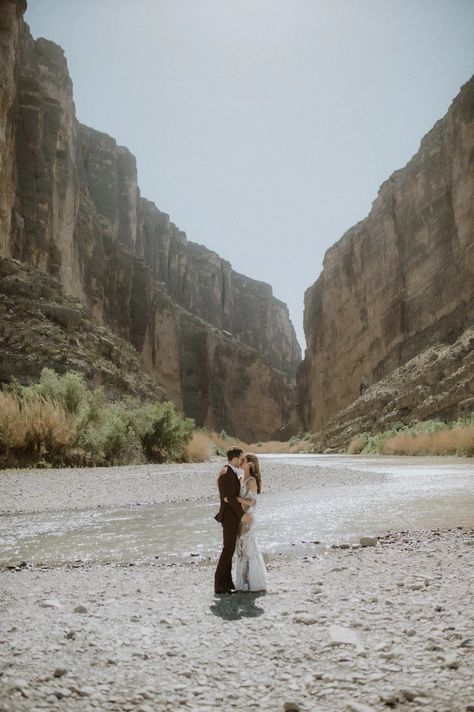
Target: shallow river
<point>406,493</point>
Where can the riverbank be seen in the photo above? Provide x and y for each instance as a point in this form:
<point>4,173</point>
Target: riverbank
<point>153,637</point>
<point>32,490</point>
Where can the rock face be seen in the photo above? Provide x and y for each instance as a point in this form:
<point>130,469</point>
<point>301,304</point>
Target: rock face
<point>220,344</point>
<point>396,284</point>
<point>10,12</point>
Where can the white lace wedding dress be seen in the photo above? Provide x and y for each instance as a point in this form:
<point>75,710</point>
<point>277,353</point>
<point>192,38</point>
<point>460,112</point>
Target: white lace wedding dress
<point>250,572</point>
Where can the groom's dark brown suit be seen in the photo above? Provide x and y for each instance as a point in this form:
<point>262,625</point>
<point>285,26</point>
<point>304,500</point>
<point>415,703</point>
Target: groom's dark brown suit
<point>229,515</point>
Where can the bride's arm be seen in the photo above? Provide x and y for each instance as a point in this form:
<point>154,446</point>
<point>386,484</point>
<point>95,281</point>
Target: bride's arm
<point>247,502</point>
<point>251,487</point>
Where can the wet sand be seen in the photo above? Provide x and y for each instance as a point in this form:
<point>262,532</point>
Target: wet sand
<point>387,626</point>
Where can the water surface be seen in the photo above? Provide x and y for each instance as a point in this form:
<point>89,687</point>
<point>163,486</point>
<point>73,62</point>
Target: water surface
<point>405,493</point>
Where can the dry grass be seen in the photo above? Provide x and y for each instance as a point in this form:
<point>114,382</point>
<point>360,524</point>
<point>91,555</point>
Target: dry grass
<point>457,440</point>
<point>356,446</point>
<point>275,447</point>
<point>204,445</point>
<point>200,448</point>
<point>34,430</point>
<point>225,443</point>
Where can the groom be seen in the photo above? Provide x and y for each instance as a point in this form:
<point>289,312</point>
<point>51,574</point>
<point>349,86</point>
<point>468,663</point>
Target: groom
<point>230,515</point>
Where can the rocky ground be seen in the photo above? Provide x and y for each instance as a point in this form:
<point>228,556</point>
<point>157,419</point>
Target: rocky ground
<point>373,628</point>
<point>383,626</point>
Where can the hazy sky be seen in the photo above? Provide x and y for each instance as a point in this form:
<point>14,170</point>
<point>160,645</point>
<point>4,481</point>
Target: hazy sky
<point>264,127</point>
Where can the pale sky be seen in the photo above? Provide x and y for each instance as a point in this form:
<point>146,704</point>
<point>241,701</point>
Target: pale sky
<point>264,127</point>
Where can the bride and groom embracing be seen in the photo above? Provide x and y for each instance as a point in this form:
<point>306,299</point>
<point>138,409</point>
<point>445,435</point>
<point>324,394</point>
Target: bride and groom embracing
<point>239,484</point>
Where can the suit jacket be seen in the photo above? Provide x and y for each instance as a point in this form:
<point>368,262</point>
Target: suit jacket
<point>231,512</point>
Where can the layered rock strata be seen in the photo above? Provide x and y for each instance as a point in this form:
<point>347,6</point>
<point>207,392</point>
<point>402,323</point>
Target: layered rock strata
<point>220,344</point>
<point>396,284</point>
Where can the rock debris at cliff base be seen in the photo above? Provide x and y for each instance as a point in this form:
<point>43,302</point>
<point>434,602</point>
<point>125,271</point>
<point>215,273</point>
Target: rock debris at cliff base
<point>384,627</point>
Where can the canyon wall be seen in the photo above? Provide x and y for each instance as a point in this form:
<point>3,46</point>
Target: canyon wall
<point>396,284</point>
<point>220,344</point>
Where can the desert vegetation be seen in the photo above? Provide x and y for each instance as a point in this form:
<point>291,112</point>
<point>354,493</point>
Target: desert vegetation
<point>430,437</point>
<point>59,422</point>
<point>206,443</point>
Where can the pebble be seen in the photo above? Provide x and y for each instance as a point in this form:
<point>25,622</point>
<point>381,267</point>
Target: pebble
<point>59,672</point>
<point>358,707</point>
<point>367,541</point>
<point>305,620</point>
<point>408,694</point>
<point>451,661</point>
<point>50,603</point>
<point>340,635</point>
<point>80,609</point>
<point>389,698</point>
<point>86,691</point>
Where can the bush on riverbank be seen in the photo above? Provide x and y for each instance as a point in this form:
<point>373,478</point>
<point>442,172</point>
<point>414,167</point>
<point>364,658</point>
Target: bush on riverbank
<point>33,430</point>
<point>430,437</point>
<point>60,422</point>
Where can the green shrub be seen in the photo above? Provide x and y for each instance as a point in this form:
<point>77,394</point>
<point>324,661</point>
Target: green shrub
<point>68,390</point>
<point>111,440</point>
<point>163,432</point>
<point>60,421</point>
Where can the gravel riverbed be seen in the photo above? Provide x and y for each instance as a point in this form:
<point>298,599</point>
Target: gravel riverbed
<point>83,488</point>
<point>360,629</point>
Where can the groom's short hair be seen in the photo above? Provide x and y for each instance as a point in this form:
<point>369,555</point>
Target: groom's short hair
<point>234,452</point>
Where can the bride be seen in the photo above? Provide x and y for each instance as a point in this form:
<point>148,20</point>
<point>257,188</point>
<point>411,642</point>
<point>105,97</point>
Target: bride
<point>250,574</point>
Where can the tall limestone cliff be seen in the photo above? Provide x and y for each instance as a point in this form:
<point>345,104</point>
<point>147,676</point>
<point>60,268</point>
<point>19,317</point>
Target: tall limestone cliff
<point>219,343</point>
<point>398,284</point>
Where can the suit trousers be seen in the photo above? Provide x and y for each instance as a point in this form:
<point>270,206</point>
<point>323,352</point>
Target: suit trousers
<point>223,576</point>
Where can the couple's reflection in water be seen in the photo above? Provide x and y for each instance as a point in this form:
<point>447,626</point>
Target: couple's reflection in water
<point>241,604</point>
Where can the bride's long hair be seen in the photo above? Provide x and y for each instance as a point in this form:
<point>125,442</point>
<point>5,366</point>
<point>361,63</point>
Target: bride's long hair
<point>254,469</point>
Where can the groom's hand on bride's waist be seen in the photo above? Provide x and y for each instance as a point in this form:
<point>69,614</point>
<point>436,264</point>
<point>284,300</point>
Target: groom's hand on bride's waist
<point>247,519</point>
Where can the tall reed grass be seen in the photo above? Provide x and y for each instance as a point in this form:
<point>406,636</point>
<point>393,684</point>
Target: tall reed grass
<point>452,441</point>
<point>34,431</point>
<point>430,437</point>
<point>59,421</point>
